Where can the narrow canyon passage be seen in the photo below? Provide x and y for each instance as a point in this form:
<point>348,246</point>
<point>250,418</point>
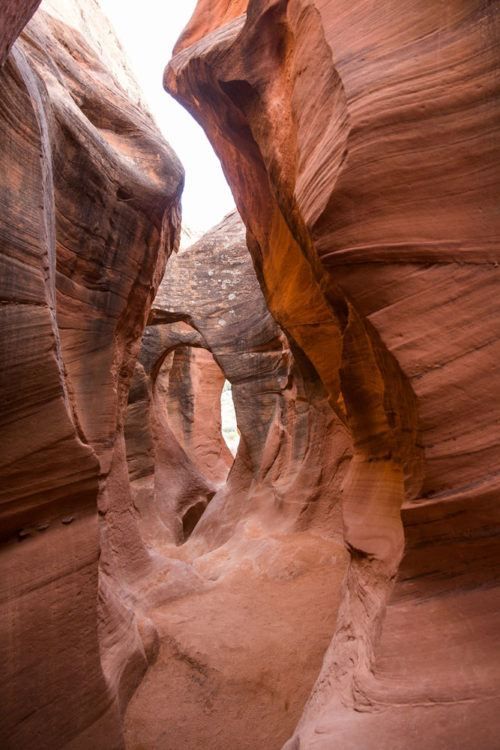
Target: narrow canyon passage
<point>249,486</point>
<point>251,601</point>
<point>239,656</point>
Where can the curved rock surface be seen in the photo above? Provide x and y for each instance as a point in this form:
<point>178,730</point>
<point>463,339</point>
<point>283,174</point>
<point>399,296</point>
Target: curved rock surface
<point>89,204</point>
<point>361,144</point>
<point>192,390</point>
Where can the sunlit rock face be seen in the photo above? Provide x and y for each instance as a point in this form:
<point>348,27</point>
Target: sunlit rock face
<point>88,212</point>
<point>361,143</point>
<point>250,600</point>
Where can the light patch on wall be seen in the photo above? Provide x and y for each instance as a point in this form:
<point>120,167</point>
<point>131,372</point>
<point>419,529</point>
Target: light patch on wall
<point>230,431</point>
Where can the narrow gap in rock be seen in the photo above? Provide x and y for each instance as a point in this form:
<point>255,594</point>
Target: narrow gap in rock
<point>230,431</point>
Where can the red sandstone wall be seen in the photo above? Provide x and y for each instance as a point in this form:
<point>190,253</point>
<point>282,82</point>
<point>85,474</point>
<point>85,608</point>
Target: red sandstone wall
<point>361,143</point>
<point>89,210</point>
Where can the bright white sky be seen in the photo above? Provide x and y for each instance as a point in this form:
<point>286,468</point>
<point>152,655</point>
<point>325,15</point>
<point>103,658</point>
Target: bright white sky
<point>148,29</point>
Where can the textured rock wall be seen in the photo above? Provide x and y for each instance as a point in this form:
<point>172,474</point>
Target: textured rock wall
<point>361,144</point>
<point>172,479</point>
<point>88,212</point>
<point>212,287</point>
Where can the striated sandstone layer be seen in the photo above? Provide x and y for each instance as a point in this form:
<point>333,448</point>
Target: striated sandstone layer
<point>361,144</point>
<point>249,603</point>
<point>89,205</point>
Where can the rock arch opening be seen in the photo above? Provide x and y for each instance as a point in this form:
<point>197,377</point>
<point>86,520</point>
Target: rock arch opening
<point>261,529</point>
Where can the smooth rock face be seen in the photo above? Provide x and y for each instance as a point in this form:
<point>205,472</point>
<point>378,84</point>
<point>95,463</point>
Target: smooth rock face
<point>251,596</point>
<point>361,144</point>
<point>88,212</point>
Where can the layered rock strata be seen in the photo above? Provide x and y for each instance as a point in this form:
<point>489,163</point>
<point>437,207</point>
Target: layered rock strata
<point>89,211</point>
<point>361,144</point>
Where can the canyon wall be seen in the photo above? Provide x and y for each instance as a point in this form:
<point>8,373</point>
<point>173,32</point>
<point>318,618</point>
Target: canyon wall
<point>361,144</point>
<point>336,584</point>
<point>89,205</point>
<point>193,384</point>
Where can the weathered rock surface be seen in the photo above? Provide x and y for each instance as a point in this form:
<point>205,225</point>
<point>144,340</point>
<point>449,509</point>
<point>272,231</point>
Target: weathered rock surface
<point>248,607</point>
<point>88,212</point>
<point>170,477</point>
<point>361,144</point>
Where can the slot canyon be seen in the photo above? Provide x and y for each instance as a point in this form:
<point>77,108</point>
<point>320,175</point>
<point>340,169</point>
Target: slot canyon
<point>250,480</point>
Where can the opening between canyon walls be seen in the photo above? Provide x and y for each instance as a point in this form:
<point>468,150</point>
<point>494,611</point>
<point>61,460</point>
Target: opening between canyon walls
<point>256,561</point>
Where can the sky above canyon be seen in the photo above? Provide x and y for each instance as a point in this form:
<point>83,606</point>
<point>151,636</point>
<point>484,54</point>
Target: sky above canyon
<point>148,30</point>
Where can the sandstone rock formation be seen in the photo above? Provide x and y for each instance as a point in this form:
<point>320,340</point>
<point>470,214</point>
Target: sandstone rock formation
<point>336,584</point>
<point>250,601</point>
<point>89,210</point>
<point>361,143</point>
